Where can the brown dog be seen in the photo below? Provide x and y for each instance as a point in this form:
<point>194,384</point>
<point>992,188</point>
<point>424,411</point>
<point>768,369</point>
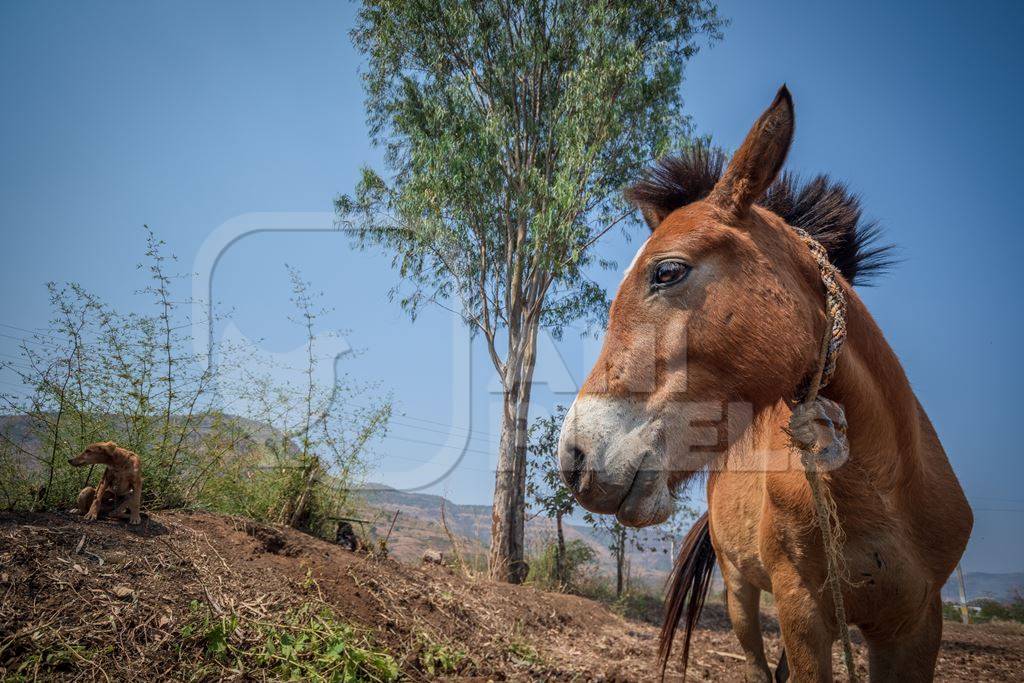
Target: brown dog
<point>120,488</point>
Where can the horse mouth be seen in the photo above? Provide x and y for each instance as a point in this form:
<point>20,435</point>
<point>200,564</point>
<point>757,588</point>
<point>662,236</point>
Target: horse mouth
<point>632,485</point>
<point>647,500</point>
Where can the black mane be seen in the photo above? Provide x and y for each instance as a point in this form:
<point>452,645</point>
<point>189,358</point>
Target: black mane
<point>823,207</point>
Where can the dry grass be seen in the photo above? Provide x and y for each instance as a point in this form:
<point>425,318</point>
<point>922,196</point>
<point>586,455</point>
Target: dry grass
<point>196,596</point>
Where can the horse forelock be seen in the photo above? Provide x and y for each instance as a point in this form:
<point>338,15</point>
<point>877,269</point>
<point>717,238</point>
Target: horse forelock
<point>823,207</point>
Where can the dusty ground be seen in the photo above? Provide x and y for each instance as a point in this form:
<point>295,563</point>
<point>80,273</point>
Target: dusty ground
<point>102,600</point>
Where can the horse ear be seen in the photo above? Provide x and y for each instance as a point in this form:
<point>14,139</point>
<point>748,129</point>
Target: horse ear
<point>759,159</point>
<point>653,216</point>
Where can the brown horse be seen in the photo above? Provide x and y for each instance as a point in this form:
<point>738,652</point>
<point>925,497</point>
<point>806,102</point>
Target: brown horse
<point>713,334</point>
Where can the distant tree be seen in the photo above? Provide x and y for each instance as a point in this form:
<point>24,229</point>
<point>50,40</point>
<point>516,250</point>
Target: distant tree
<point>623,540</point>
<point>547,492</point>
<point>509,129</point>
<point>544,485</point>
<point>989,609</point>
<point>577,555</point>
<point>620,540</point>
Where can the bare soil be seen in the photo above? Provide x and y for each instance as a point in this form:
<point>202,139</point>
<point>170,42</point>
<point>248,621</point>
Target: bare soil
<point>102,600</point>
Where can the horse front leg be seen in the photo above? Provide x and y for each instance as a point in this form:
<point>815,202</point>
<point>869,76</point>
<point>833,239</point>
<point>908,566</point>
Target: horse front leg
<point>807,631</point>
<point>911,656</point>
<point>743,601</point>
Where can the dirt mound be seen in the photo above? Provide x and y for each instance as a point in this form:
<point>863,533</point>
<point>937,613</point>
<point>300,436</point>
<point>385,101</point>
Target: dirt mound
<point>102,600</point>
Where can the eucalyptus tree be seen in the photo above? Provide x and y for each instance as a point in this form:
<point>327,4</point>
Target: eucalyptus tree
<point>508,129</point>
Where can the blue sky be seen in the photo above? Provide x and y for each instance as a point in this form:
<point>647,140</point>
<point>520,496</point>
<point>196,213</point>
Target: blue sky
<point>188,115</point>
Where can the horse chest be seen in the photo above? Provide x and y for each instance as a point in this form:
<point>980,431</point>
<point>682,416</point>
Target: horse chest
<point>886,578</point>
<point>885,584</point>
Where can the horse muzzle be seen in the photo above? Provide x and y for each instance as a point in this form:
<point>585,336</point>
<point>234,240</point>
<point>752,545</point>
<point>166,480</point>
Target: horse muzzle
<point>611,460</point>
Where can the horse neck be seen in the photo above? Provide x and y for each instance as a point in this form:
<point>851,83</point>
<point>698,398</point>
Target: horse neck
<point>882,411</point>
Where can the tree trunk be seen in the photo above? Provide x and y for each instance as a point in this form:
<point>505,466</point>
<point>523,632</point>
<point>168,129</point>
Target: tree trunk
<point>296,519</point>
<point>620,560</point>
<point>508,515</point>
<point>563,580</point>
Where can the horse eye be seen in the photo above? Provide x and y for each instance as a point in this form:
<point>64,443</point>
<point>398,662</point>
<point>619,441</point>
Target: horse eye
<point>668,273</point>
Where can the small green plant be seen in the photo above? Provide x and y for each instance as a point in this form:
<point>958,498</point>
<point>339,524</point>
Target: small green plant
<point>546,491</point>
<point>62,658</point>
<point>640,605</point>
<point>521,652</point>
<point>438,659</point>
<point>307,643</point>
<point>951,611</point>
<point>559,566</point>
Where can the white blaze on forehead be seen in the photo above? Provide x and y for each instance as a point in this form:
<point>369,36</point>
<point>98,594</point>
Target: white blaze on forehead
<point>632,264</point>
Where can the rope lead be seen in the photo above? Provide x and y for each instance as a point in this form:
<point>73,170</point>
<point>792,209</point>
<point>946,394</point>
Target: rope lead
<point>825,506</point>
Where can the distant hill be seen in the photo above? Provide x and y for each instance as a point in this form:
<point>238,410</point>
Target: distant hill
<point>1001,587</point>
<point>419,525</point>
<point>419,528</point>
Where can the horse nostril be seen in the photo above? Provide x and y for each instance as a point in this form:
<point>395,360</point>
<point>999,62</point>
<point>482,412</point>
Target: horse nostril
<point>575,473</point>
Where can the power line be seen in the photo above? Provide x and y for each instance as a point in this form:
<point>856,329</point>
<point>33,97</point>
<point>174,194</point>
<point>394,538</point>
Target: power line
<point>429,462</point>
<point>60,335</point>
<point>439,431</point>
<point>32,332</point>
<point>999,500</point>
<point>453,427</point>
<point>479,452</point>
<point>34,342</point>
<point>438,445</point>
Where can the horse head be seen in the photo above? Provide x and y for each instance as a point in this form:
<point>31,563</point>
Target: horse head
<point>719,315</point>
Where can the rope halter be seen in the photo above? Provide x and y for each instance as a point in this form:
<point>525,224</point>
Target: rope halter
<point>811,408</point>
<point>835,313</point>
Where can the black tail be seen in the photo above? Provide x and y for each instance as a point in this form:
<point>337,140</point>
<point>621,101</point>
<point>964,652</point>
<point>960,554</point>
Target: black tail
<point>782,670</point>
<point>687,588</point>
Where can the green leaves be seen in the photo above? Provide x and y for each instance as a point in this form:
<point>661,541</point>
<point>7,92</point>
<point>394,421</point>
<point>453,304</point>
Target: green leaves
<point>217,636</point>
<point>306,643</point>
<point>509,129</point>
<point>440,659</point>
<point>544,484</point>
